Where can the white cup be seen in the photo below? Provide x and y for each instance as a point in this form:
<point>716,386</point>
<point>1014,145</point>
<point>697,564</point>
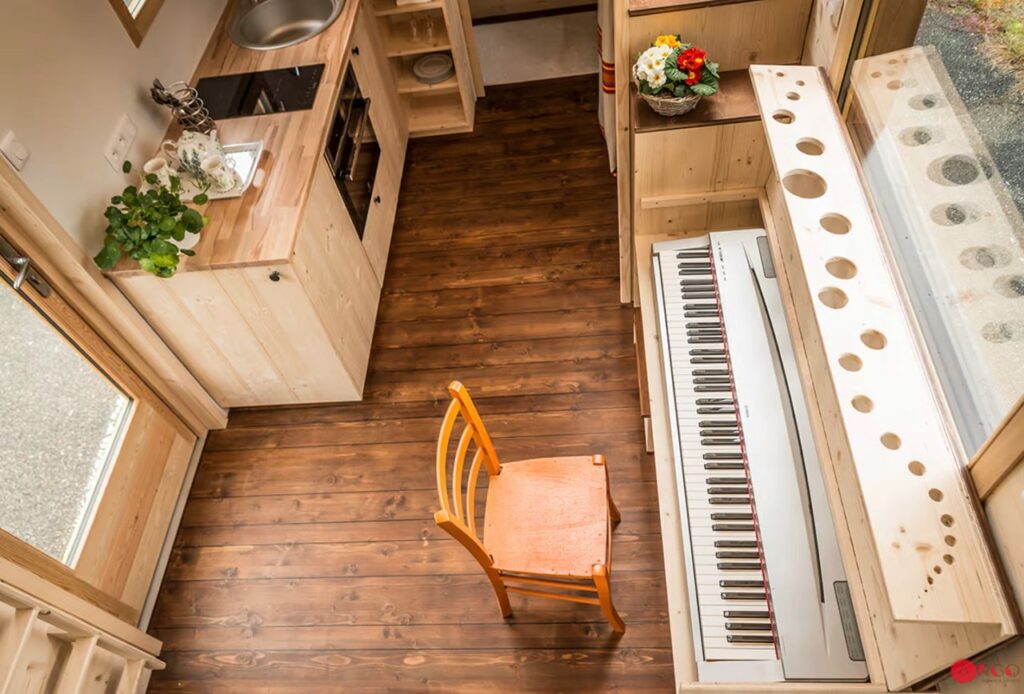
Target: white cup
<point>219,172</point>
<point>159,167</point>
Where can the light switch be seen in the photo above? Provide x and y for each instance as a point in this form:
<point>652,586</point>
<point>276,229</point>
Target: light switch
<point>120,143</point>
<point>14,150</point>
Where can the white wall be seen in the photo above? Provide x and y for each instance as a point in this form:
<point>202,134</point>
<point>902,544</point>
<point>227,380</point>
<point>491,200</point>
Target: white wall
<point>538,49</point>
<point>68,71</point>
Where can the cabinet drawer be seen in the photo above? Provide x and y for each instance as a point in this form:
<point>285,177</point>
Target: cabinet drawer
<point>380,222</point>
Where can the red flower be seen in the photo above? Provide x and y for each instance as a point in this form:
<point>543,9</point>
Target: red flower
<point>692,77</point>
<point>692,59</point>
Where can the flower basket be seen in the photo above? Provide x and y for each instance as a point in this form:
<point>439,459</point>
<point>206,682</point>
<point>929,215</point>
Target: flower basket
<point>672,76</point>
<point>671,105</point>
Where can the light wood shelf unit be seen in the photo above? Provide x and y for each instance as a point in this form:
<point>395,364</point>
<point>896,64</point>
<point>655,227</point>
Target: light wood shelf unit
<point>432,109</point>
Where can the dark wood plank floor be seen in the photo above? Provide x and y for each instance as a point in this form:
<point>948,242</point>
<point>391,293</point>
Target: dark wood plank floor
<point>308,560</point>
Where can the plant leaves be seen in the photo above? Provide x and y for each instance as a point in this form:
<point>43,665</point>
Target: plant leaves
<point>704,89</point>
<point>109,255</point>
<point>126,167</point>
<point>201,199</point>
<point>192,220</point>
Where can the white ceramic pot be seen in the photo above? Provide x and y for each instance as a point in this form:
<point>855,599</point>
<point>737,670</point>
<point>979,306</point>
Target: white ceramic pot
<point>189,150</point>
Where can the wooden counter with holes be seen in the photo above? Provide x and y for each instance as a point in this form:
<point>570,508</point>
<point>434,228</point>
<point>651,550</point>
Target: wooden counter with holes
<point>279,303</point>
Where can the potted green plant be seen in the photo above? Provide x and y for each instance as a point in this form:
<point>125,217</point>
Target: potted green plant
<point>150,225</point>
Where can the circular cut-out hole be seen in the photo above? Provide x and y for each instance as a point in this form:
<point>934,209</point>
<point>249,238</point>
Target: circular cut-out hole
<point>873,339</point>
<point>833,297</point>
<point>958,170</point>
<point>985,257</point>
<point>955,213</point>
<point>862,403</point>
<point>835,224</point>
<point>783,116</point>
<point>780,74</point>
<point>920,135</point>
<point>916,467</point>
<point>841,268</point>
<point>947,520</point>
<point>804,184</point>
<point>931,580</point>
<point>925,102</point>
<point>894,84</point>
<point>935,494</point>
<point>850,362</point>
<point>792,96</point>
<point>949,540</point>
<point>1010,286</point>
<point>876,74</point>
<point>937,569</point>
<point>810,146</point>
<point>1003,331</point>
<point>799,83</point>
<point>890,441</point>
<point>948,558</point>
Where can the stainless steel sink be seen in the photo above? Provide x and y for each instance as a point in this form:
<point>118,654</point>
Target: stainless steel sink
<point>264,25</point>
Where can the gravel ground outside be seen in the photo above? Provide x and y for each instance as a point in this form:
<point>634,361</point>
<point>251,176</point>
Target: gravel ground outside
<point>59,418</point>
<point>991,94</point>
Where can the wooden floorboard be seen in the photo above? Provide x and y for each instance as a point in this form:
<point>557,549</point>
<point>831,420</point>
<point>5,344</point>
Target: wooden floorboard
<point>308,559</point>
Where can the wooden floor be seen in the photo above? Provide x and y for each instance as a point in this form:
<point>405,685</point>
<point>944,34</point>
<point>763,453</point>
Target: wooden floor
<point>308,560</point>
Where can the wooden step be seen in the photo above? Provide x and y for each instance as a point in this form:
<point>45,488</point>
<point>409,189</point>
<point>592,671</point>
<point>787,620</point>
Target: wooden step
<point>734,103</point>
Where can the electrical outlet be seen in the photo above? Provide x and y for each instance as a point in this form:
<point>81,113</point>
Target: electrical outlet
<point>14,150</point>
<point>120,143</point>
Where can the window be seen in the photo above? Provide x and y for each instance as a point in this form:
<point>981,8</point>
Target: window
<point>940,130</point>
<point>136,16</point>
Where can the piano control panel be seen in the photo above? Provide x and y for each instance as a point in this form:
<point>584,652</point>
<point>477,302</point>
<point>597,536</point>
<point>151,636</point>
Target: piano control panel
<point>768,594</point>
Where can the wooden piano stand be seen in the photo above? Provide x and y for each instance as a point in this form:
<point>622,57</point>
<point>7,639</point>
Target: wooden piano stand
<point>927,570</point>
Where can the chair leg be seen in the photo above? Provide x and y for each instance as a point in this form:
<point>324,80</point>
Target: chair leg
<point>604,596</point>
<point>501,593</point>
<point>612,508</point>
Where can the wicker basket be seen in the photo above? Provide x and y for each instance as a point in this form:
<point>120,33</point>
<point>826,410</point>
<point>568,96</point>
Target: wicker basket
<point>672,105</point>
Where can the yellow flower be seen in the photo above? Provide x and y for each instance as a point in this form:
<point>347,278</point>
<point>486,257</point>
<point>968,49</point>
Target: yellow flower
<point>667,40</point>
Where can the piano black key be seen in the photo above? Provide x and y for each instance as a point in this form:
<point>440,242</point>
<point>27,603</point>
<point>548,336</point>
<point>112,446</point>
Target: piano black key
<point>702,306</point>
<point>715,410</point>
<point>713,389</point>
<point>714,401</point>
<point>732,516</point>
<point>739,566</point>
<point>738,554</point>
<point>702,252</point>
<point>719,433</point>
<point>694,272</point>
<point>696,296</point>
<point>699,314</point>
<point>711,372</point>
<point>746,614</point>
<point>719,442</point>
<point>706,332</point>
<point>695,262</point>
<point>735,544</point>
<point>749,638</point>
<point>704,340</point>
<point>723,466</point>
<point>719,491</point>
<point>725,456</point>
<point>752,595</point>
<point>740,583</point>
<point>705,324</point>
<point>707,360</point>
<point>732,527</point>
<point>748,626</point>
<point>711,379</point>
<point>690,282</point>
<point>729,501</point>
<point>727,481</point>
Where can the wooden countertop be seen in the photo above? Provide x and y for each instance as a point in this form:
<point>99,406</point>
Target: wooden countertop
<point>260,227</point>
<point>734,103</point>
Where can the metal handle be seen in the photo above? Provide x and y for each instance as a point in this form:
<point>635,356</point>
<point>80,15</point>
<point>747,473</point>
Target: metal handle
<point>275,276</point>
<point>376,199</point>
<point>22,265</point>
<point>355,50</point>
<point>351,172</point>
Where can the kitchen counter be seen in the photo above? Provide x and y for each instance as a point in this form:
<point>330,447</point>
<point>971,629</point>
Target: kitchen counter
<point>261,226</point>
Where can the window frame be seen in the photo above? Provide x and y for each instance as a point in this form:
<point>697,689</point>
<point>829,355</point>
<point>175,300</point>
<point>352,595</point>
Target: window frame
<point>137,26</point>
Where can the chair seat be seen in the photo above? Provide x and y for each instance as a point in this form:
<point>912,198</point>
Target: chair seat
<point>548,516</point>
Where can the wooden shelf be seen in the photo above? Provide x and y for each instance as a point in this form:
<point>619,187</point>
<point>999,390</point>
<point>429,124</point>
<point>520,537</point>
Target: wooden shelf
<point>408,84</point>
<point>436,113</point>
<point>734,103</point>
<point>399,41</point>
<point>383,8</point>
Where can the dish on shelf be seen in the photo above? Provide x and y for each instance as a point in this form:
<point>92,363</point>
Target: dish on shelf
<point>433,68</point>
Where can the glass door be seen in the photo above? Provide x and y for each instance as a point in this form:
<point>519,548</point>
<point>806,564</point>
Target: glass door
<point>62,420</point>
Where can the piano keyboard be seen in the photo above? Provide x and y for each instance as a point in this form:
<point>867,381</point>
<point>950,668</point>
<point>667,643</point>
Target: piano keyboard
<point>766,584</point>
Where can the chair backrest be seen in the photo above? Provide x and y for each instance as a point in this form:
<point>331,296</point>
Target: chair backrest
<point>457,514</point>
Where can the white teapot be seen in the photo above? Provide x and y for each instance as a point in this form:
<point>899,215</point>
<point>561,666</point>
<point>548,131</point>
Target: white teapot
<point>189,151</point>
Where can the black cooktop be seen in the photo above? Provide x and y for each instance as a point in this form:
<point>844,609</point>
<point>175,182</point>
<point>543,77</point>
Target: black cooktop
<point>256,93</point>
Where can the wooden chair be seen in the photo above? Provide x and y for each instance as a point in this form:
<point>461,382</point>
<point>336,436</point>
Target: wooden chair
<point>547,521</point>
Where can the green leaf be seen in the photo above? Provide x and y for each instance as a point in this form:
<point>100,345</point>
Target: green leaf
<point>162,248</point>
<point>681,90</point>
<point>187,251</point>
<point>201,199</point>
<point>192,220</point>
<point>168,223</point>
<point>109,255</point>
<point>126,166</point>
<point>703,89</point>
<point>712,68</point>
<point>151,179</point>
